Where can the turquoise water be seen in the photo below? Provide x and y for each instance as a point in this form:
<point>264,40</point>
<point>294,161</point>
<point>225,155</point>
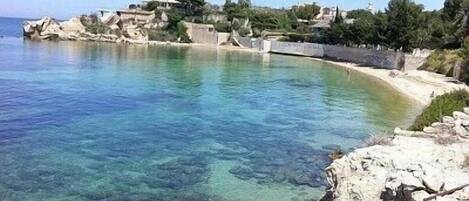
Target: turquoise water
<point>96,121</point>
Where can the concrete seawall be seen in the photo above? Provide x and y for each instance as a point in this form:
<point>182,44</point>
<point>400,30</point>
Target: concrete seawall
<point>361,56</point>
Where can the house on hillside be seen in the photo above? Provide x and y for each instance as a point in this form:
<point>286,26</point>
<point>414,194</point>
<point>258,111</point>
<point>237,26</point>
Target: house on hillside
<point>330,13</point>
<point>320,25</point>
<point>163,4</point>
<point>136,15</point>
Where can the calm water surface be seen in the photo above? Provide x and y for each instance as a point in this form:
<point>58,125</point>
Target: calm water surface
<point>89,121</point>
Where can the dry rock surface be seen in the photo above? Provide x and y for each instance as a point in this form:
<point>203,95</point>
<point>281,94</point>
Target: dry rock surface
<point>428,165</point>
<point>49,29</point>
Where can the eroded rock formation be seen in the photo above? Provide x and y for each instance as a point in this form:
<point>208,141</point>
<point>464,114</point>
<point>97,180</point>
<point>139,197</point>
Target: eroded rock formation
<point>49,29</point>
<point>428,165</point>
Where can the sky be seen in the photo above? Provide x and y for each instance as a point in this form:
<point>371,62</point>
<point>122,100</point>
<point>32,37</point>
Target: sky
<point>64,9</point>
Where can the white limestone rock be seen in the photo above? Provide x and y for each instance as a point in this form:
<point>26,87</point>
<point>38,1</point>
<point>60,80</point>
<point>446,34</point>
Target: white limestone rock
<point>460,115</point>
<point>73,25</point>
<point>466,110</point>
<point>135,33</point>
<point>448,120</point>
<point>375,172</point>
<point>430,130</point>
<point>461,131</point>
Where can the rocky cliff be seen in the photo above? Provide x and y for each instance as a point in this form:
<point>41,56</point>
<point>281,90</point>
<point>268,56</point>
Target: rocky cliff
<point>49,29</point>
<point>428,165</point>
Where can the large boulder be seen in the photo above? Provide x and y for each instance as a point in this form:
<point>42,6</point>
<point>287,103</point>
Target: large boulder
<point>135,33</point>
<point>73,25</point>
<point>410,168</point>
<point>45,29</point>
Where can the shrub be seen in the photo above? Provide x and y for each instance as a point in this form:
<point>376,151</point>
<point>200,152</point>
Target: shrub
<point>97,28</point>
<point>174,17</point>
<point>442,62</point>
<point>182,33</point>
<point>443,105</point>
<point>243,31</point>
<point>283,39</point>
<point>161,35</point>
<point>222,27</point>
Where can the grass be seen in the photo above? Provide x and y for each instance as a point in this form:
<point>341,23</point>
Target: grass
<point>443,105</point>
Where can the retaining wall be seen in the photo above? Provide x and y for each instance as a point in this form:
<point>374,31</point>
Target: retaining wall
<point>369,57</point>
<point>382,59</point>
<point>248,42</point>
<point>302,49</point>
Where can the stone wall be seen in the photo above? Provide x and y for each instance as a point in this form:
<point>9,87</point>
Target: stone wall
<point>369,57</point>
<point>202,33</point>
<point>302,49</point>
<point>377,58</point>
<point>412,62</point>
<point>222,37</point>
<point>248,42</point>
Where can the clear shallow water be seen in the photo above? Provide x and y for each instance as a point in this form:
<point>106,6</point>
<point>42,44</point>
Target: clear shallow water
<point>88,121</point>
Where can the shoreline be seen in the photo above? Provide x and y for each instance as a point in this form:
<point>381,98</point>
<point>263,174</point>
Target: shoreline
<point>420,86</point>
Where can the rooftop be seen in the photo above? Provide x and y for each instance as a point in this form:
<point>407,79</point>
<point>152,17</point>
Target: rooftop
<point>136,11</point>
<point>164,1</point>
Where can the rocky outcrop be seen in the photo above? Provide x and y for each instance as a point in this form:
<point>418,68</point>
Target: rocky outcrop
<point>43,29</point>
<point>134,32</point>
<point>73,25</point>
<point>73,29</point>
<point>49,29</point>
<point>416,166</point>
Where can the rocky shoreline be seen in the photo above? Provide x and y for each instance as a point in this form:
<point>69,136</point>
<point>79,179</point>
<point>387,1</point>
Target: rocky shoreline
<point>412,166</point>
<point>73,30</point>
<point>428,165</point>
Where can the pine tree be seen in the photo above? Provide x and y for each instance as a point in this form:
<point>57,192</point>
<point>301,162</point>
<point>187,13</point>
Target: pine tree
<point>401,30</point>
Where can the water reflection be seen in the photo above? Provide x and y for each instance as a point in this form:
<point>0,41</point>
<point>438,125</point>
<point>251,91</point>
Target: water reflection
<point>97,121</point>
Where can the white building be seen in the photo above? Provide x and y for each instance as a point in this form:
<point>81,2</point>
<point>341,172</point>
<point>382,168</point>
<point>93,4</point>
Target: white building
<point>163,4</point>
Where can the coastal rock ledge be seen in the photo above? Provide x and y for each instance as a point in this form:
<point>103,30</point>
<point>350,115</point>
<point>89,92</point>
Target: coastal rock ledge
<point>428,165</point>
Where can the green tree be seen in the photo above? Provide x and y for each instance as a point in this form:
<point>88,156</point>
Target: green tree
<point>402,29</point>
<point>338,17</point>
<point>307,11</point>
<point>461,21</point>
<point>359,13</point>
<point>451,8</point>
<point>192,7</point>
<point>174,17</point>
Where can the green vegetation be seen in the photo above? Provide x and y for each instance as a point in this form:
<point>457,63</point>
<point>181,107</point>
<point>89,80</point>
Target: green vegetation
<point>93,25</point>
<point>410,27</point>
<point>182,33</point>
<point>97,28</point>
<point>443,105</point>
<point>306,12</point>
<point>442,61</point>
<point>401,30</point>
<point>161,35</point>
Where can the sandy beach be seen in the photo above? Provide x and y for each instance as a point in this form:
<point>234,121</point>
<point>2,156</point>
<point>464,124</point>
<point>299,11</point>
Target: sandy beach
<point>416,84</point>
